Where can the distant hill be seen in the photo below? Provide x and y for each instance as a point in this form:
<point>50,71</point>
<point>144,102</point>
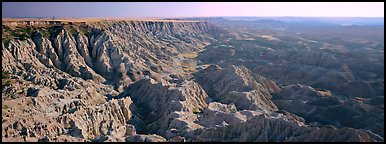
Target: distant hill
<point>326,20</point>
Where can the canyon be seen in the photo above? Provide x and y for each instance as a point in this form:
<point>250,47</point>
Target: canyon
<point>185,80</point>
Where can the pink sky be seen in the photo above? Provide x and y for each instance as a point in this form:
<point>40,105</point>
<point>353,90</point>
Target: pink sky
<point>191,9</point>
<point>314,9</point>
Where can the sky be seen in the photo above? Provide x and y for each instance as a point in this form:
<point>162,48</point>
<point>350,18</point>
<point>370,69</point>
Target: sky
<point>191,9</point>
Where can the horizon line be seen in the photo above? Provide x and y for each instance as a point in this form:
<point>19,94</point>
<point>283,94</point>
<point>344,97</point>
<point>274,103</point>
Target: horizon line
<point>206,17</point>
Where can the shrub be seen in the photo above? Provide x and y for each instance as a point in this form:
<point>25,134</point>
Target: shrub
<point>22,33</point>
<point>5,74</point>
<point>45,33</point>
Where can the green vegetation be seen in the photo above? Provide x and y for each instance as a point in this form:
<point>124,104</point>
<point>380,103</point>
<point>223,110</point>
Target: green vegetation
<point>47,31</point>
<point>44,32</point>
<point>197,111</point>
<point>93,139</point>
<point>73,30</point>
<point>5,74</point>
<point>84,32</point>
<point>21,33</point>
<point>5,79</point>
<point>94,32</point>
<point>54,31</point>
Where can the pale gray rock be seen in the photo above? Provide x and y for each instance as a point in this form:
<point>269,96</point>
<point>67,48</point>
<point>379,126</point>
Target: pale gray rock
<point>119,81</point>
<point>237,85</point>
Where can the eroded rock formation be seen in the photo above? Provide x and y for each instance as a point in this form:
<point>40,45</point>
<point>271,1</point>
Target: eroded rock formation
<point>128,81</point>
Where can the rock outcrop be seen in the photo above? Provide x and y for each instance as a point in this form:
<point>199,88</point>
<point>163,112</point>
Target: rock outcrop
<point>323,108</point>
<point>135,81</point>
<point>236,84</point>
<point>269,130</point>
<point>164,106</point>
<point>66,81</point>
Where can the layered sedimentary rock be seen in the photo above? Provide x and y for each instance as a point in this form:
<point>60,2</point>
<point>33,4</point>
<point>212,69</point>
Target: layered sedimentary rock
<point>118,81</point>
<point>163,106</point>
<point>320,107</point>
<point>117,52</point>
<point>236,84</point>
<point>57,79</point>
<point>346,67</point>
<point>262,128</point>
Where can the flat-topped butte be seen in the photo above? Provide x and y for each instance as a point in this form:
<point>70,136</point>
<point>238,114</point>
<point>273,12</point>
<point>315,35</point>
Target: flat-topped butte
<point>43,21</point>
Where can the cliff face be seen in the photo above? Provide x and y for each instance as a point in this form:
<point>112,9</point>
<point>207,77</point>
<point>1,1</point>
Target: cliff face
<point>70,64</point>
<point>264,128</point>
<point>236,84</point>
<point>127,81</point>
<point>323,108</point>
<point>117,52</point>
<point>163,107</point>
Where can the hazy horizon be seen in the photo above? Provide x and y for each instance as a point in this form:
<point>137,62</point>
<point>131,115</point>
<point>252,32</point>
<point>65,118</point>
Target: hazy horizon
<point>191,9</point>
<point>200,17</point>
